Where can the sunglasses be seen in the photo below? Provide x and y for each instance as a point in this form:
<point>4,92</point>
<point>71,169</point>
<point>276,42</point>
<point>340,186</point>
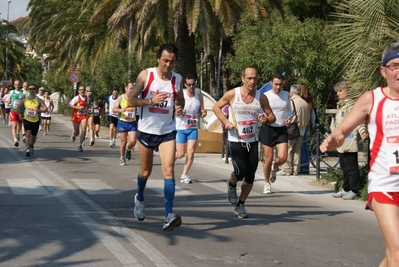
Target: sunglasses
<point>190,84</point>
<point>88,91</point>
<point>32,88</point>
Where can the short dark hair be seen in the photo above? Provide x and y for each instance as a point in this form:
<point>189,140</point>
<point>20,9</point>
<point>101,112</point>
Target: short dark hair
<point>191,76</point>
<point>171,48</point>
<point>277,75</point>
<point>115,88</point>
<point>32,84</point>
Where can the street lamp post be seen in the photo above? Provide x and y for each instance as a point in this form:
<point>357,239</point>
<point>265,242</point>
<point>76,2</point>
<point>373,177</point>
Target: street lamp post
<point>8,19</point>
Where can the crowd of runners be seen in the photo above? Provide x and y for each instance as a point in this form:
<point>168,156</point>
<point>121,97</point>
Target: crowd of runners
<point>161,110</point>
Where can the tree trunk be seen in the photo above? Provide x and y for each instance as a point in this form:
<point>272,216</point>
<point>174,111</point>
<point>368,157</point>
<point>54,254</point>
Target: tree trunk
<point>212,75</point>
<point>186,63</point>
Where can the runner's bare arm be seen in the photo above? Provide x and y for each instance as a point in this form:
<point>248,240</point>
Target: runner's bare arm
<point>116,108</point>
<point>179,104</point>
<point>358,114</point>
<point>43,108</point>
<point>217,108</point>
<point>269,115</point>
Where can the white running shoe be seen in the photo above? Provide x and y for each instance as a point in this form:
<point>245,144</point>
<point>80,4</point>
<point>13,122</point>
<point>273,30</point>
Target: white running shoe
<point>185,179</point>
<point>267,188</point>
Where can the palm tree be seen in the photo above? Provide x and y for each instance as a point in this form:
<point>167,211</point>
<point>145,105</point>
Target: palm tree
<point>362,29</point>
<point>178,21</point>
<point>15,51</point>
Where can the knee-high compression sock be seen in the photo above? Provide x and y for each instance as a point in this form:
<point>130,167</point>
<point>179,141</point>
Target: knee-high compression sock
<point>169,194</point>
<point>140,188</point>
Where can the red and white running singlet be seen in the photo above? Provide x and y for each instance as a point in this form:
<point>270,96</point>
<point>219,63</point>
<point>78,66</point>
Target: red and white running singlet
<point>190,118</point>
<point>246,116</point>
<point>159,119</point>
<point>383,126</point>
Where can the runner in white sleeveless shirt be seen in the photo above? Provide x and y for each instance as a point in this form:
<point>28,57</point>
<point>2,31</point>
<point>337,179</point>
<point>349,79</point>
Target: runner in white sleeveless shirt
<point>247,106</point>
<point>187,126</point>
<point>161,100</point>
<point>379,108</point>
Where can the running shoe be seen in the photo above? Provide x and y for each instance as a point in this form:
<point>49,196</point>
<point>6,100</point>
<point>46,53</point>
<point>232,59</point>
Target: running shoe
<point>139,209</point>
<point>18,137</point>
<point>122,161</point>
<point>240,211</point>
<point>45,133</point>
<point>267,188</point>
<point>350,195</point>
<point>27,153</point>
<point>171,222</point>
<point>80,148</point>
<point>128,154</point>
<point>185,179</point>
<point>339,194</point>
<point>111,144</point>
<point>97,136</point>
<point>231,193</point>
<point>32,151</point>
<point>91,142</point>
<point>73,138</point>
<point>16,143</point>
<point>40,127</point>
<point>23,138</point>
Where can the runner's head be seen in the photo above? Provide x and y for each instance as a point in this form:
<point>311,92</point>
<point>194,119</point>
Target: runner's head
<point>167,56</point>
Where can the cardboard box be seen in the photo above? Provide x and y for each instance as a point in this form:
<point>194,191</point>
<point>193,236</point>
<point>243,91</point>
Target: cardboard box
<point>209,142</point>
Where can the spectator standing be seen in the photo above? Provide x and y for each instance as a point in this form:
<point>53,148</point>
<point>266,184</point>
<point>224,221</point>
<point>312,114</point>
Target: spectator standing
<point>348,152</point>
<point>305,157</point>
<point>300,114</point>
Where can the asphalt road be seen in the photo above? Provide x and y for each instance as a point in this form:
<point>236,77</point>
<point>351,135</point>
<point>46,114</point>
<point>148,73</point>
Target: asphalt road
<point>68,208</point>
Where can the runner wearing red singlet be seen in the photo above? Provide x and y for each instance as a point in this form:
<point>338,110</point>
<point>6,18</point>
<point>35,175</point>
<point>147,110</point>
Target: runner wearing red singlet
<point>379,108</point>
<point>79,116</point>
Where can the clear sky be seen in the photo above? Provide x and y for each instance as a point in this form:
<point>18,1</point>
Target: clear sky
<point>17,9</point>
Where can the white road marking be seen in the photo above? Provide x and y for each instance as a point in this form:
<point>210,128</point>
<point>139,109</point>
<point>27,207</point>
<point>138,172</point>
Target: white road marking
<point>158,185</point>
<point>95,187</point>
<point>26,187</point>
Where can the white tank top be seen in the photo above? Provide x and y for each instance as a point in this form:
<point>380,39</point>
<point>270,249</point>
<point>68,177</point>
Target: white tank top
<point>190,119</point>
<point>246,116</point>
<point>159,119</point>
<point>383,129</point>
<point>111,103</point>
<point>48,112</point>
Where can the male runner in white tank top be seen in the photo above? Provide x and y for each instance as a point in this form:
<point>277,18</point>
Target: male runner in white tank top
<point>187,126</point>
<point>161,100</point>
<point>379,108</point>
<point>247,106</point>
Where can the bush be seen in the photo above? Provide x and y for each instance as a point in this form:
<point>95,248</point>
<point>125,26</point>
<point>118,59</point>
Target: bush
<point>335,175</point>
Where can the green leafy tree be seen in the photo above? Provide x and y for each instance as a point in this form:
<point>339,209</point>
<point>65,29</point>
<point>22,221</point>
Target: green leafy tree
<point>297,48</point>
<point>13,48</point>
<point>361,30</point>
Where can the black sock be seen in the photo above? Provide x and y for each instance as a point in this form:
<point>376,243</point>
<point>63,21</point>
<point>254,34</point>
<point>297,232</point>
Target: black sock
<point>240,202</point>
<point>31,146</point>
